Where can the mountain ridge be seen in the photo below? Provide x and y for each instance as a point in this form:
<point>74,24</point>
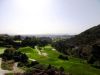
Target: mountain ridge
<point>88,37</point>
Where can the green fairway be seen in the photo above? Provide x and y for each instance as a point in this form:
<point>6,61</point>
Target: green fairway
<point>73,65</point>
<point>2,50</point>
<point>32,53</point>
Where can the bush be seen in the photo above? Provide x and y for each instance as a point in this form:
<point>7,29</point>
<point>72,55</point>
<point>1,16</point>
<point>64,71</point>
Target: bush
<point>34,63</point>
<point>91,60</point>
<point>63,57</point>
<point>20,64</point>
<point>96,64</point>
<point>39,66</point>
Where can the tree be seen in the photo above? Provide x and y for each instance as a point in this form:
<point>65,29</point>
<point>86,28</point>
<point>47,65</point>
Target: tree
<point>8,54</point>
<point>23,58</point>
<point>61,71</point>
<point>96,51</point>
<point>43,41</point>
<point>95,54</point>
<point>49,66</point>
<point>17,37</point>
<point>60,46</point>
<point>63,57</point>
<point>28,41</point>
<point>17,56</point>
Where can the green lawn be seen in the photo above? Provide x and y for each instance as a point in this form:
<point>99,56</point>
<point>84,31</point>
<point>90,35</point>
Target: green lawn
<point>73,65</point>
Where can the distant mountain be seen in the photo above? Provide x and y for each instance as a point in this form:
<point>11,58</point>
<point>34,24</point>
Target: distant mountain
<point>52,36</point>
<point>88,37</point>
<point>56,36</point>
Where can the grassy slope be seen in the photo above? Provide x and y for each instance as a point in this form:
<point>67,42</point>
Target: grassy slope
<point>73,65</point>
<point>32,53</point>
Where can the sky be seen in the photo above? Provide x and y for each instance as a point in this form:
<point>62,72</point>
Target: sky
<point>48,16</point>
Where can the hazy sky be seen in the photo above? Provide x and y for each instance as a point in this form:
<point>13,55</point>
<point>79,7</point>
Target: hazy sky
<point>48,16</point>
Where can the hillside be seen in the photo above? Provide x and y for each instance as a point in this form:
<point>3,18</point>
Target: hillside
<point>88,37</point>
<point>80,45</point>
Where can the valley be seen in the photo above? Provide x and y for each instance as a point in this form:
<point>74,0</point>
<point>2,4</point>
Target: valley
<point>75,66</point>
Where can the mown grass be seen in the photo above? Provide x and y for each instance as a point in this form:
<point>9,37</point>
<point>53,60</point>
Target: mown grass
<point>75,66</point>
<point>31,53</point>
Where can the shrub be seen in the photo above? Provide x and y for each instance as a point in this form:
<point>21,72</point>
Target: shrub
<point>63,57</point>
<point>34,63</point>
<point>7,65</point>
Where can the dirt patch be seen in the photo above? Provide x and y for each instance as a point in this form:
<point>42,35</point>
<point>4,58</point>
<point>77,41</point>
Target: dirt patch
<point>3,72</point>
<point>7,65</point>
<point>16,69</point>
